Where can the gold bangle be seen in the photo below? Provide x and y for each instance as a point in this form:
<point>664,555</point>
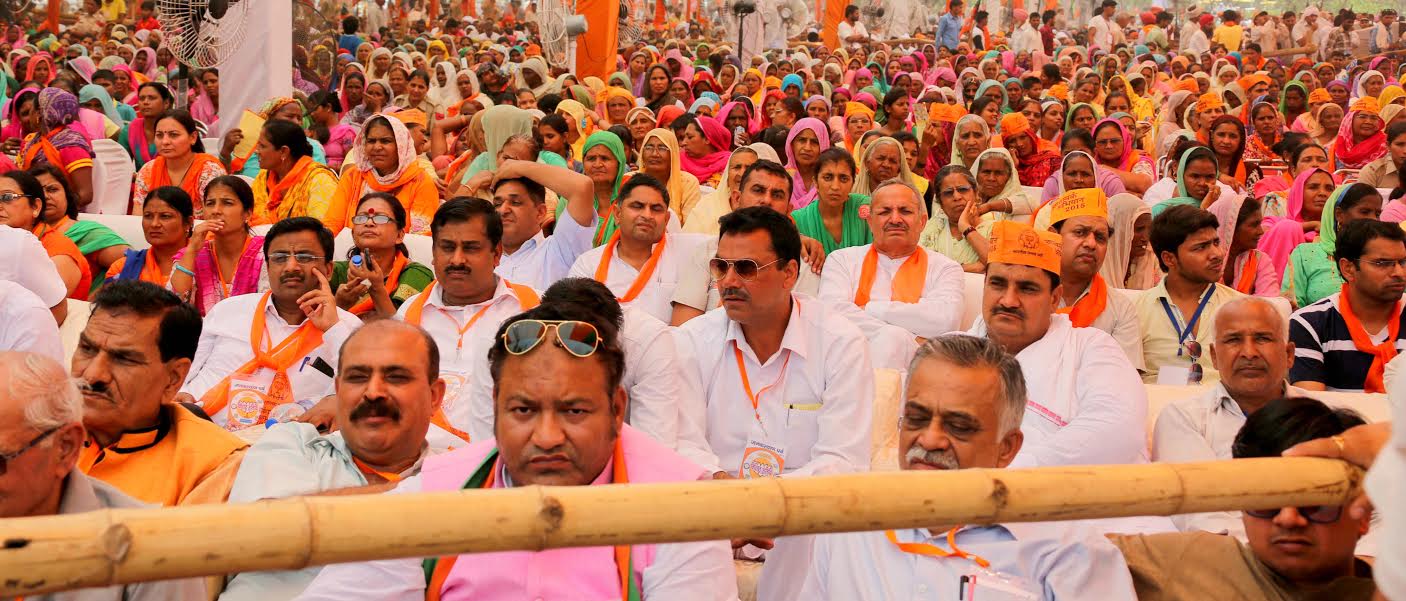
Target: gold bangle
<point>1341,442</point>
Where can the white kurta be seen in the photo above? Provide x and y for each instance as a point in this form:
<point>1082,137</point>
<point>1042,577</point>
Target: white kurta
<point>26,324</point>
<point>543,260</point>
<point>657,296</point>
<point>224,347</point>
<point>938,312</point>
<point>1087,405</point>
<point>1119,319</point>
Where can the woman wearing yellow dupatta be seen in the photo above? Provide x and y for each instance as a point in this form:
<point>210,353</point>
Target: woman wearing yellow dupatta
<point>859,119</point>
<point>659,157</point>
<point>290,183</point>
<point>581,122</point>
<point>613,104</point>
<point>386,163</point>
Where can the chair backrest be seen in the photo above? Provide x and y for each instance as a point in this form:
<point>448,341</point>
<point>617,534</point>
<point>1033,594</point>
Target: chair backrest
<point>1034,193</point>
<point>113,169</point>
<point>72,327</point>
<point>971,298</point>
<point>212,145</point>
<point>127,226</point>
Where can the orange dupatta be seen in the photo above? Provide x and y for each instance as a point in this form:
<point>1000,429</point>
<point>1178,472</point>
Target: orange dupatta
<point>408,188</point>
<point>297,345</point>
<point>278,188</point>
<point>907,284</point>
<point>1246,283</point>
<point>42,143</point>
<point>159,176</point>
<point>603,269</point>
<point>1083,312</point>
<point>1381,353</point>
<point>526,297</point>
<point>392,282</point>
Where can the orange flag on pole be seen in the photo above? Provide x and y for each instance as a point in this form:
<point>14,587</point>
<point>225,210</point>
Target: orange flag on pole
<point>596,49</point>
<point>830,31</point>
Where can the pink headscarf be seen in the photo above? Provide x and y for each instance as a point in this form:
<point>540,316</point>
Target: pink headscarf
<point>726,111</point>
<point>685,65</point>
<point>1129,156</point>
<point>704,168</point>
<point>1283,234</point>
<point>800,196</point>
<point>34,62</point>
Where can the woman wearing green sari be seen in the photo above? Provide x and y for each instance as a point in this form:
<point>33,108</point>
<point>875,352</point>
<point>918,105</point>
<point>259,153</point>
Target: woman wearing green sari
<point>1312,274</point>
<point>603,158</point>
<point>834,216</point>
<point>99,244</point>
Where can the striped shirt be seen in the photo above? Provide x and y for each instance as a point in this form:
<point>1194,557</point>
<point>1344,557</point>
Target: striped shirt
<point>1324,351</point>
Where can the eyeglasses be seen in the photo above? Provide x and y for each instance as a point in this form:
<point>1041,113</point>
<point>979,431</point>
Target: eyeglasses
<point>10,197</point>
<point>745,268</point>
<point>655,149</point>
<point>1317,514</point>
<point>363,219</point>
<point>577,337</point>
<point>958,190</point>
<point>281,257</point>
<point>6,458</point>
<point>1384,263</point>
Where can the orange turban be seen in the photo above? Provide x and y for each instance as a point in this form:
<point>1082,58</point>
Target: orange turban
<point>1208,101</point>
<point>1319,95</point>
<point>1060,91</point>
<point>1250,81</point>
<point>413,117</point>
<point>857,108</point>
<point>1367,104</point>
<point>1187,85</point>
<point>1014,124</point>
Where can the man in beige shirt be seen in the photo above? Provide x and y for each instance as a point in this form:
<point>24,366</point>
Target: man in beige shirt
<point>1385,172</point>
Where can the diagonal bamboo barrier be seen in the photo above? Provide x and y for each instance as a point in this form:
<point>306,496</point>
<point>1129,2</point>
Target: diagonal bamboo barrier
<point>100,548</point>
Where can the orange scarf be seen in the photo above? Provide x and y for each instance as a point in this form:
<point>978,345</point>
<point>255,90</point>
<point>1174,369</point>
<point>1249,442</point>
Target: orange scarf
<point>1087,309</point>
<point>907,285</point>
<point>158,176</point>
<point>1381,353</point>
<point>41,143</point>
<point>412,188</point>
<point>297,345</point>
<point>526,298</point>
<point>278,188</point>
<point>1249,274</point>
<point>392,282</point>
<point>646,272</point>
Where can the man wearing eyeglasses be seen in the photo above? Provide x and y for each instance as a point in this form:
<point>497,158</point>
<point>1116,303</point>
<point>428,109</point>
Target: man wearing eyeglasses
<point>1344,342</point>
<point>271,356</point>
<point>893,280</point>
<point>1291,553</point>
<point>962,409</point>
<point>786,380</point>
<point>559,414</point>
<point>41,436</point>
<point>1176,313</point>
<point>641,264</point>
<point>1086,406</point>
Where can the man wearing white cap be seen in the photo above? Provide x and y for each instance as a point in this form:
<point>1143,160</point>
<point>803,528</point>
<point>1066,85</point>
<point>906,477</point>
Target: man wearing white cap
<point>1190,26</point>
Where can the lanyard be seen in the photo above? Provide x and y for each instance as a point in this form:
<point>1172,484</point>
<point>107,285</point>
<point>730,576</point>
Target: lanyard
<point>1190,330</point>
<point>747,384</point>
<point>469,324</point>
<point>931,551</point>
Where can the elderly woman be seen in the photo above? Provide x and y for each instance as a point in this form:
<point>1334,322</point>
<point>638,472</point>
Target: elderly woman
<point>706,150</point>
<point>1361,138</point>
<point>955,231</point>
<point>60,143</point>
<point>386,163</point>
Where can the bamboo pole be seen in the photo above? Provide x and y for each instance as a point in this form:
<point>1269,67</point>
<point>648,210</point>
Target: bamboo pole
<point>52,553</point>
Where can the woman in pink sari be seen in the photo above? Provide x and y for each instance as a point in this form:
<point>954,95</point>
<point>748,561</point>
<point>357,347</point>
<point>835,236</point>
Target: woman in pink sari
<point>223,258</point>
<point>706,149</point>
<point>1303,212</point>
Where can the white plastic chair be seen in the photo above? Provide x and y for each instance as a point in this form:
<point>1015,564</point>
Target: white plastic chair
<point>112,178</point>
<point>127,226</point>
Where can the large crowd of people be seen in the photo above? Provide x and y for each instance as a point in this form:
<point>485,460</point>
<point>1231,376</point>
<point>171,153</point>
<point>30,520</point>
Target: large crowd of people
<point>620,266</point>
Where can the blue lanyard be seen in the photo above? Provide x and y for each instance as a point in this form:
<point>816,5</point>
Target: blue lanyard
<point>1182,335</point>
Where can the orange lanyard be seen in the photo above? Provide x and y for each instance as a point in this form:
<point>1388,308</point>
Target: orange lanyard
<point>645,273</point>
<point>368,470</point>
<point>219,272</point>
<point>931,551</point>
<point>463,329</point>
<point>747,384</point>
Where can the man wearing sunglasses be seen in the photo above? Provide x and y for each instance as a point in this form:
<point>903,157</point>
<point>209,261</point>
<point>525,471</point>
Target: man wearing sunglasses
<point>786,380</point>
<point>271,356</point>
<point>388,387</point>
<point>1292,552</point>
<point>1087,406</point>
<point>1344,342</point>
<point>641,264</point>
<point>893,280</point>
<point>41,437</point>
<point>559,413</point>
<point>1175,315</point>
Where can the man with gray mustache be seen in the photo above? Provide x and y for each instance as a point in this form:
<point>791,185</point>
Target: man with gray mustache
<point>963,407</point>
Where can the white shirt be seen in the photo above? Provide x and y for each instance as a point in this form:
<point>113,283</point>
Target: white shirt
<point>24,261</point>
<point>543,260</point>
<point>1087,404</point>
<point>1102,36</point>
<point>1203,428</point>
<point>1197,43</point>
<point>1166,188</point>
<point>1056,561</point>
<point>658,293</point>
<point>819,407</point>
<point>225,347</point>
<point>846,31</point>
<point>463,360</point>
<point>26,324</point>
<point>937,312</point>
<point>699,571</point>
<point>698,290</point>
<point>1386,484</point>
<point>1119,319</point>
<point>1027,39</point>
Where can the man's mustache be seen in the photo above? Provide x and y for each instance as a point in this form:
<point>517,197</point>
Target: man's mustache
<point>375,407</point>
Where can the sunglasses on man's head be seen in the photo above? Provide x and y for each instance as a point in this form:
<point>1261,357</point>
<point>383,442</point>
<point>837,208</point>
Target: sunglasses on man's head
<point>577,337</point>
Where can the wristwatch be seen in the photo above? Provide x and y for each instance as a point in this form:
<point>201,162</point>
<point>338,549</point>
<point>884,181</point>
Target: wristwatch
<point>967,232</point>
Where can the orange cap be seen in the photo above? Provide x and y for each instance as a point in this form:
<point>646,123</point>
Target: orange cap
<point>1019,244</point>
<point>1091,202</point>
<point>1208,101</point>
